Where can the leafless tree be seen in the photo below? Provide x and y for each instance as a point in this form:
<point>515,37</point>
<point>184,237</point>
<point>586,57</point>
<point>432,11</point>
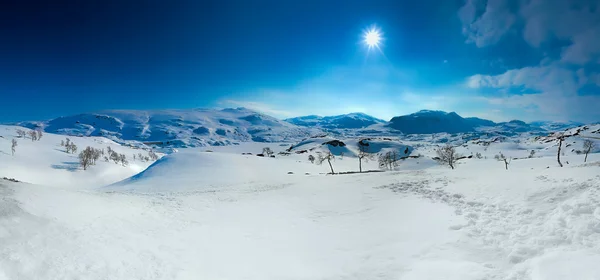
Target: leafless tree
<point>14,146</point>
<point>123,159</point>
<point>152,155</point>
<point>267,151</point>
<point>73,148</point>
<point>478,155</point>
<point>21,133</point>
<point>560,140</point>
<point>67,142</point>
<point>502,157</point>
<point>86,157</point>
<point>388,160</point>
<point>33,135</point>
<point>141,157</point>
<point>326,157</point>
<point>40,133</point>
<point>588,145</point>
<point>447,155</point>
<point>96,155</point>
<point>363,154</point>
<point>532,154</point>
<point>311,158</point>
<point>114,156</point>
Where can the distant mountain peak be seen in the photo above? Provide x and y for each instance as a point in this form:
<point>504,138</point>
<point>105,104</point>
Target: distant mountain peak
<point>345,121</point>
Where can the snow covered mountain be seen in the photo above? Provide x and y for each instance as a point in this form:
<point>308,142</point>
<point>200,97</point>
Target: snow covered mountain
<point>427,121</point>
<point>346,121</point>
<point>178,128</point>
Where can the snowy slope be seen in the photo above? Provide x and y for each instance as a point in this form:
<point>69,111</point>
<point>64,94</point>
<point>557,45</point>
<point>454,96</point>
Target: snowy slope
<point>45,162</point>
<point>196,214</point>
<point>346,121</point>
<point>177,128</point>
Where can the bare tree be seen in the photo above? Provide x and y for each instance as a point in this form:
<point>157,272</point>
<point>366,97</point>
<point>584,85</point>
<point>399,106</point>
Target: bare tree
<point>560,140</point>
<point>326,157</point>
<point>532,154</point>
<point>267,151</point>
<point>311,158</point>
<point>363,154</point>
<point>478,155</point>
<point>71,148</point>
<point>21,133</point>
<point>123,159</point>
<point>67,142</point>
<point>388,160</point>
<point>95,155</point>
<point>141,157</point>
<point>40,133</point>
<point>447,155</point>
<point>503,158</point>
<point>33,135</point>
<point>86,157</point>
<point>588,145</point>
<point>14,146</point>
<point>152,155</point>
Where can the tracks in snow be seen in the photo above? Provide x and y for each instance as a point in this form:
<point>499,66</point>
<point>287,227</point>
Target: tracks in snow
<point>566,215</point>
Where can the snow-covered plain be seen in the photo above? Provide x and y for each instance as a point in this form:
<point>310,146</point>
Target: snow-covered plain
<point>215,213</point>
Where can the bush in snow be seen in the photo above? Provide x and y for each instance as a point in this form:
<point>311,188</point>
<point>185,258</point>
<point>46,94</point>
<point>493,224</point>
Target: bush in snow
<point>447,155</point>
<point>311,158</point>
<point>152,155</point>
<point>267,152</point>
<point>532,154</point>
<point>86,157</point>
<point>588,145</point>
<point>40,133</point>
<point>71,148</point>
<point>21,133</point>
<point>33,135</point>
<point>478,155</point>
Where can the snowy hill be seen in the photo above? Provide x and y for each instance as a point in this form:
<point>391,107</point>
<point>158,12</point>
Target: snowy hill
<point>177,128</point>
<point>427,121</point>
<point>346,121</point>
<point>46,162</point>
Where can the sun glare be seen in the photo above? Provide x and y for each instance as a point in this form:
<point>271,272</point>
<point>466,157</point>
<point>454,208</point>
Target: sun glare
<point>372,38</point>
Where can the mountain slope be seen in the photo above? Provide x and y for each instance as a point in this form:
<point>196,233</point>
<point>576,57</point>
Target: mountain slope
<point>179,128</point>
<point>346,121</point>
<point>427,121</point>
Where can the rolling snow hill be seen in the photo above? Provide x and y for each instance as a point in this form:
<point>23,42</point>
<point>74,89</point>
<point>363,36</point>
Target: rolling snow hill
<point>346,121</point>
<point>178,128</point>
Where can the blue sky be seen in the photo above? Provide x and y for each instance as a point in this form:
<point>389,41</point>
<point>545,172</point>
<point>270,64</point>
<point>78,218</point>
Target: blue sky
<point>496,59</point>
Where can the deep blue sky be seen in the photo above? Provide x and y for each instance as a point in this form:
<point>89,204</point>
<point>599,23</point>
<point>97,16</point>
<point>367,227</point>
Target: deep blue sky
<point>495,59</point>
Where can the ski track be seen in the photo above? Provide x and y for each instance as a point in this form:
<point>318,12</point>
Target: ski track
<point>567,215</point>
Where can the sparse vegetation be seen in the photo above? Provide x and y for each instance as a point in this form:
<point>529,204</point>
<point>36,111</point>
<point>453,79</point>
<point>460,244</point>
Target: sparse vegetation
<point>501,157</point>
<point>447,155</point>
<point>532,154</point>
<point>588,145</point>
<point>363,153</point>
<point>326,157</point>
<point>560,140</point>
<point>14,146</point>
<point>311,158</point>
<point>267,152</point>
<point>388,160</point>
<point>33,135</point>
<point>21,133</point>
<point>478,156</point>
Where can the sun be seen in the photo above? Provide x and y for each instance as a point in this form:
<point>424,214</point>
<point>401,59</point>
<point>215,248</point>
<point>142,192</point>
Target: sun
<point>372,38</point>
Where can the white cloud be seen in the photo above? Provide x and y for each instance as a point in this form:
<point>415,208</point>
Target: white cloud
<point>489,27</point>
<point>558,98</point>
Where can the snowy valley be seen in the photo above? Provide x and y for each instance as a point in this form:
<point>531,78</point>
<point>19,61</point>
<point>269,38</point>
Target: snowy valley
<point>236,194</point>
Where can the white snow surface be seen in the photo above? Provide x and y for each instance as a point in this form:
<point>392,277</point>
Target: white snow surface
<point>215,213</point>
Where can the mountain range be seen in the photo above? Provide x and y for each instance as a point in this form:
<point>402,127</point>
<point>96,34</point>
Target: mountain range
<point>210,127</point>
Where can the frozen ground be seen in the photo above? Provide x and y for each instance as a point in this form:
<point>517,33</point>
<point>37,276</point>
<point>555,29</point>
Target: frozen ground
<point>223,215</point>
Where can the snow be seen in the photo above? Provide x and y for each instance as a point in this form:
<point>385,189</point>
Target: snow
<point>177,128</point>
<point>220,213</point>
